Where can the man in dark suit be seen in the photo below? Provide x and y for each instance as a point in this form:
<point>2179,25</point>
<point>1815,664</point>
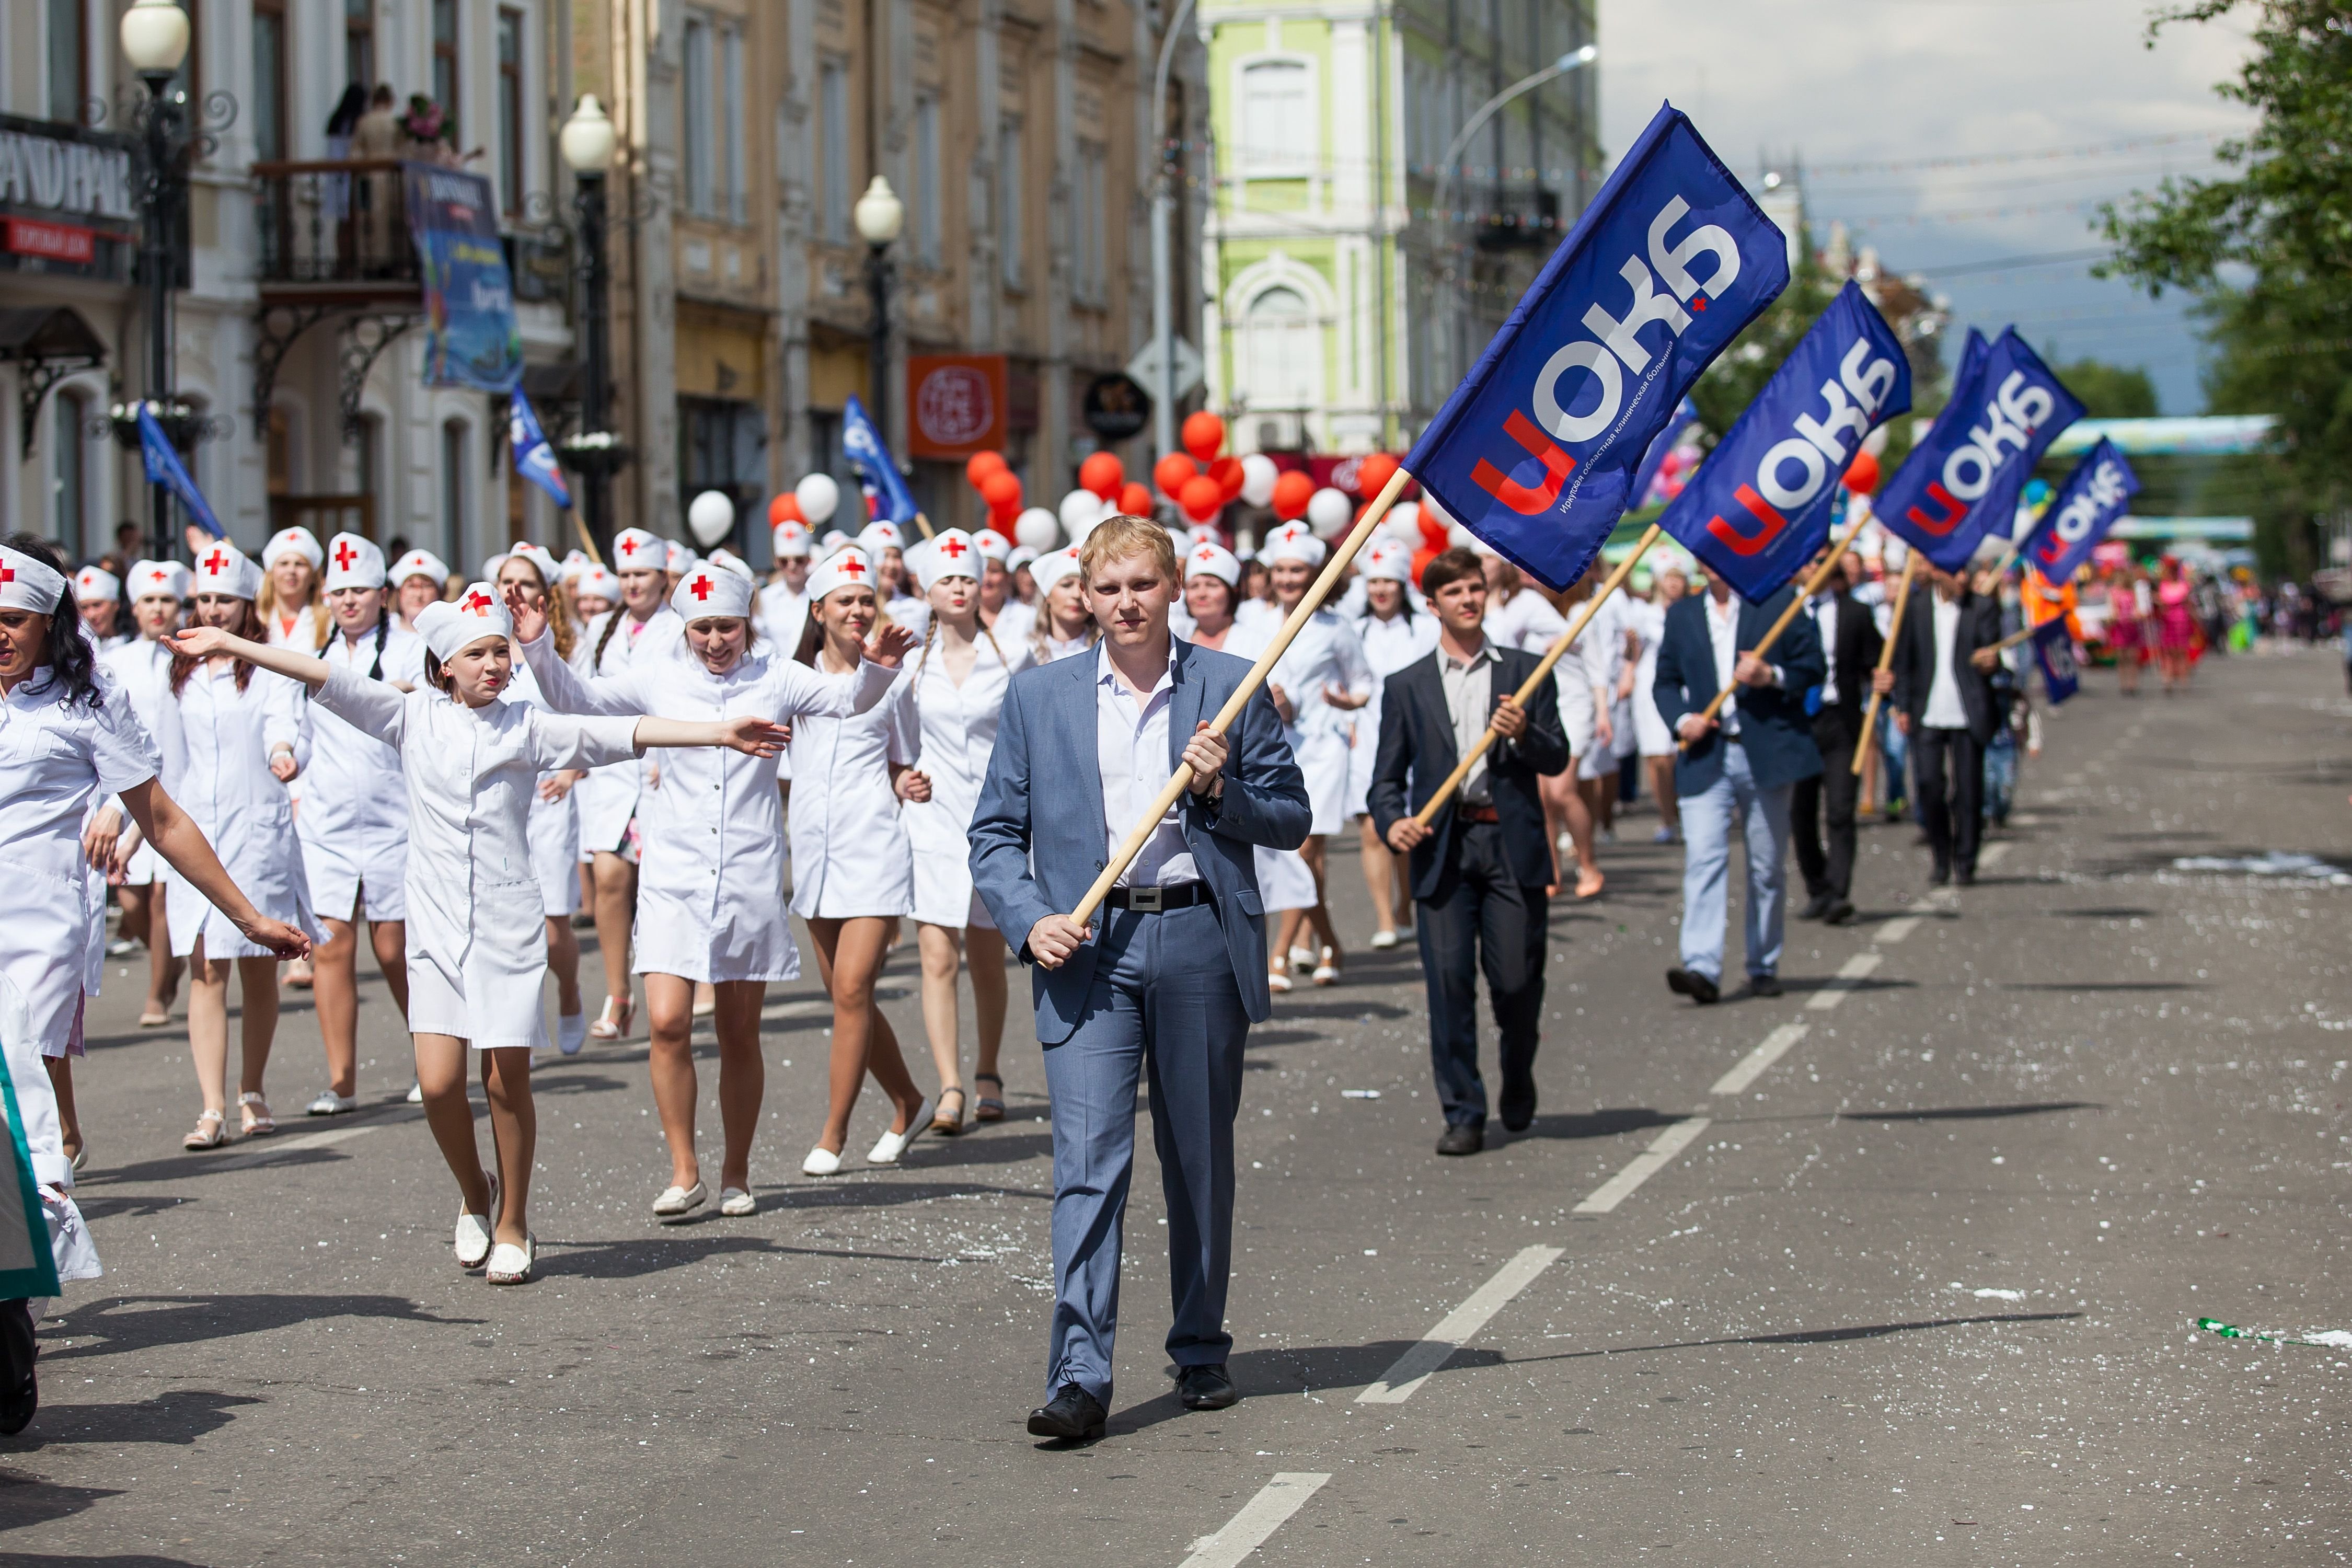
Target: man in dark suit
<point>1743,764</point>
<point>1480,867</point>
<point>1944,704</point>
<point>1850,643</point>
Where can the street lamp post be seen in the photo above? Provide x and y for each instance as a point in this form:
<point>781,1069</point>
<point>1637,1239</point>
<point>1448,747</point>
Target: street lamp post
<point>588,143</point>
<point>878,216</point>
<point>154,36</point>
<point>1163,218</point>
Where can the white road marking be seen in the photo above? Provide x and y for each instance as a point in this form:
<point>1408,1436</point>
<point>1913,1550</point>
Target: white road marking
<point>1259,1517</point>
<point>1413,1367</point>
<point>1990,853</point>
<point>1751,1065</point>
<point>1898,928</point>
<point>253,1153</point>
<point>1849,973</point>
<point>1645,1164</point>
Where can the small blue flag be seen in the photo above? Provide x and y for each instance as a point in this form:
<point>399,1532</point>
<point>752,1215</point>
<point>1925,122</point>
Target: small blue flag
<point>886,495</point>
<point>1686,415</point>
<point>1538,448</point>
<point>165,467</point>
<point>2054,650</point>
<point>1963,480</point>
<point>1760,507</point>
<point>534,460</point>
<point>2095,497</point>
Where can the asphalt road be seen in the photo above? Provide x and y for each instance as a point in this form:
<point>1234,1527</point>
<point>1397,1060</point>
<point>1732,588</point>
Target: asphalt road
<point>1919,1288</point>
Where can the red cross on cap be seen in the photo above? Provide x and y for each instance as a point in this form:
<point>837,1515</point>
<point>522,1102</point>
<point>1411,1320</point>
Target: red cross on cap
<point>628,547</point>
<point>1207,552</point>
<point>700,586</point>
<point>953,548</point>
<point>219,562</point>
<point>478,602</point>
<point>7,573</point>
<point>853,567</point>
<point>345,555</point>
<point>159,576</point>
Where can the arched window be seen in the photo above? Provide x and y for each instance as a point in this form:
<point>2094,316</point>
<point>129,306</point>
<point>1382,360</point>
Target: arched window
<point>1277,119</point>
<point>1282,353</point>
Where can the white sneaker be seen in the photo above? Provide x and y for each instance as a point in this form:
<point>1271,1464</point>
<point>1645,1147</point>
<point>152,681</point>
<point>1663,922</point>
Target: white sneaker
<point>571,1032</point>
<point>735,1202</point>
<point>1302,958</point>
<point>473,1241</point>
<point>676,1202</point>
<point>121,947</point>
<point>329,1103</point>
<point>1565,842</point>
<point>821,1161</point>
<point>890,1145</point>
<point>416,1094</point>
<point>1384,940</point>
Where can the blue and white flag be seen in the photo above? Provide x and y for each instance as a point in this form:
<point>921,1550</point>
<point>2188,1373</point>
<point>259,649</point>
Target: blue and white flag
<point>1537,449</point>
<point>2095,499</point>
<point>2054,650</point>
<point>165,467</point>
<point>534,460</point>
<point>1760,507</point>
<point>1686,415</point>
<point>886,495</point>
<point>1963,480</point>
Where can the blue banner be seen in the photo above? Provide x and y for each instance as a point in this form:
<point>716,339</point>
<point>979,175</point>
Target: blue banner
<point>534,460</point>
<point>2054,650</point>
<point>886,495</point>
<point>1964,480</point>
<point>1686,415</point>
<point>2095,499</point>
<point>1538,448</point>
<point>1760,507</point>
<point>470,336</point>
<point>165,467</point>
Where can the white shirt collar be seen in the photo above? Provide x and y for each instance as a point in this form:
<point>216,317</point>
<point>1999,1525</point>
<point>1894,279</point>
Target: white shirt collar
<point>1106,675</point>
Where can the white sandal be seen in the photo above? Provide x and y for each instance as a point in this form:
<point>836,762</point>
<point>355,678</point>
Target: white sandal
<point>614,1020</point>
<point>259,1123</point>
<point>512,1265</point>
<point>200,1138</point>
<point>676,1202</point>
<point>1384,940</point>
<point>821,1161</point>
<point>1277,977</point>
<point>473,1240</point>
<point>1325,972</point>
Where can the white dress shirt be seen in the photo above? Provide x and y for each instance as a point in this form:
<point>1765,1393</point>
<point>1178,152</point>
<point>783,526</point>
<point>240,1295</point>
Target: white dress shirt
<point>1131,752</point>
<point>1825,615</point>
<point>1469,685</point>
<point>1723,637</point>
<point>1944,710</point>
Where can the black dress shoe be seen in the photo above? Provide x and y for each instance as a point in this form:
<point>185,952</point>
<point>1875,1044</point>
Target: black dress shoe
<point>1764,985</point>
<point>1518,1108</point>
<point>1462,1139</point>
<point>1690,982</point>
<point>1840,914</point>
<point>1966,876</point>
<point>1074,1415</point>
<point>1816,907</point>
<point>1207,1387</point>
<point>1941,875</point>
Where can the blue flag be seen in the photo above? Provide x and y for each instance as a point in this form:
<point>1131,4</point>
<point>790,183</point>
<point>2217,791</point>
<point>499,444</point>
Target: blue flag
<point>1760,507</point>
<point>2095,499</point>
<point>1538,448</point>
<point>886,495</point>
<point>1686,415</point>
<point>2054,650</point>
<point>165,467</point>
<point>1963,480</point>
<point>534,460</point>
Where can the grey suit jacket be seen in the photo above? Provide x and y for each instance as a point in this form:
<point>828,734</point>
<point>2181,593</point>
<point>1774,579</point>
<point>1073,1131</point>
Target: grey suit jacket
<point>1039,838</point>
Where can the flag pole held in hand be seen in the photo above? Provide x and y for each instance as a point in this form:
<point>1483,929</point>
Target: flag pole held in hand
<point>1813,585</point>
<point>1885,659</point>
<point>1552,656</point>
<point>1319,590</point>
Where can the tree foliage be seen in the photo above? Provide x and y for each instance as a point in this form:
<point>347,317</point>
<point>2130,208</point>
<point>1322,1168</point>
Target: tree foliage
<point>2110,391</point>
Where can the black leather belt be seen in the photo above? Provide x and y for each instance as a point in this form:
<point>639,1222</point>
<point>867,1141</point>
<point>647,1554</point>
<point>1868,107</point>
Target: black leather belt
<point>1484,812</point>
<point>1156,900</point>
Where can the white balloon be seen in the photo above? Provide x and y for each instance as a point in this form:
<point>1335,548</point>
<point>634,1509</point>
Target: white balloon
<point>820,496</point>
<point>1258,474</point>
<point>1080,510</point>
<point>1037,529</point>
<point>1404,521</point>
<point>1327,512</point>
<point>710,517</point>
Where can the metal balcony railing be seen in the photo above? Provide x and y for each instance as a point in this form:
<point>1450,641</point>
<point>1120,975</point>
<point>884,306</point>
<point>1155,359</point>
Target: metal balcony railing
<point>335,223</point>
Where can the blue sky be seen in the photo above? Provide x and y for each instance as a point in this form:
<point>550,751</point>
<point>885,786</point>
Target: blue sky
<point>2058,104</point>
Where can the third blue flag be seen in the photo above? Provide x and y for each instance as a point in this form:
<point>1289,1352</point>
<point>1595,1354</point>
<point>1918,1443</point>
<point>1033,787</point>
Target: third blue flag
<point>2093,501</point>
<point>1964,478</point>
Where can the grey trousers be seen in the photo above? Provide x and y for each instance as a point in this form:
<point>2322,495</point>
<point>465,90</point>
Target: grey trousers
<point>1163,1009</point>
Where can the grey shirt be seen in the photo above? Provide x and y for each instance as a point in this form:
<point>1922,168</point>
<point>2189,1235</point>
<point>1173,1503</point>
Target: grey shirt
<point>1469,701</point>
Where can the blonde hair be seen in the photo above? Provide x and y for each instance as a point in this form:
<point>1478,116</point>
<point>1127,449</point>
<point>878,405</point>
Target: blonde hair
<point>322,628</point>
<point>1116,538</point>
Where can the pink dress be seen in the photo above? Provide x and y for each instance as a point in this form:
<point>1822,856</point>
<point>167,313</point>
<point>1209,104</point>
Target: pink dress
<point>2123,633</point>
<point>2176,625</point>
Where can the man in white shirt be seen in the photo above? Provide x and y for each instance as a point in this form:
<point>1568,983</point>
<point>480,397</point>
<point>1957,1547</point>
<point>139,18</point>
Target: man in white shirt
<point>1943,703</point>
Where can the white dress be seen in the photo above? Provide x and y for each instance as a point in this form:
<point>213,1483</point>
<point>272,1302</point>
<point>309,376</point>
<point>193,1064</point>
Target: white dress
<point>554,824</point>
<point>216,743</point>
<point>1602,648</point>
<point>1649,727</point>
<point>1528,623</point>
<point>850,851</point>
<point>956,725</point>
<point>1326,652</point>
<point>476,937</point>
<point>143,670</point>
<point>710,885</point>
<point>782,614</point>
<point>353,823</point>
<point>608,796</point>
<point>1389,646</point>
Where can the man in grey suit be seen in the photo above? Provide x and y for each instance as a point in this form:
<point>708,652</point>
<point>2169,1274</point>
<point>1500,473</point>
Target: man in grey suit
<point>1165,988</point>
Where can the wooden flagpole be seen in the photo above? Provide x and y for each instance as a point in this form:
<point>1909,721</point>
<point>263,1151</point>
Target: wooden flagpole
<point>1319,590</point>
<point>1885,660</point>
<point>1552,655</point>
<point>586,541</point>
<point>1813,585</point>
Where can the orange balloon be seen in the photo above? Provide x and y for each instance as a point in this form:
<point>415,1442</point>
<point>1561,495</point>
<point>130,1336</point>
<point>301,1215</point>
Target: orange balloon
<point>1227,472</point>
<point>1202,498</point>
<point>1373,473</point>
<point>785,508</point>
<point>1135,500</point>
<point>1102,473</point>
<point>980,464</point>
<point>1001,488</point>
<point>1861,474</point>
<point>1204,434</point>
<point>1172,472</point>
<point>1292,491</point>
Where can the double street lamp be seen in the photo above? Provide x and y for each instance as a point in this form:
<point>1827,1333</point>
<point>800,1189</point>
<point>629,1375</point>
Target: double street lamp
<point>880,215</point>
<point>588,143</point>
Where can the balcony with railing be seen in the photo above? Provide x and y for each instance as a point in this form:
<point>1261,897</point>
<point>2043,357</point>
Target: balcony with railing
<point>337,232</point>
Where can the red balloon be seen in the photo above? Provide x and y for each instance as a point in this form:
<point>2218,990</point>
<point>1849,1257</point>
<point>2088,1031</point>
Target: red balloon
<point>1204,434</point>
<point>1434,535</point>
<point>1172,472</point>
<point>1861,474</point>
<point>1373,473</point>
<point>1292,491</point>
<point>1135,500</point>
<point>785,508</point>
<point>1102,473</point>
<point>1002,518</point>
<point>1202,498</point>
<point>1001,488</point>
<point>977,468</point>
<point>1227,472</point>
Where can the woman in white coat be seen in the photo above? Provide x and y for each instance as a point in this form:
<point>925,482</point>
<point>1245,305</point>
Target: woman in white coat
<point>555,809</point>
<point>853,868</point>
<point>231,736</point>
<point>957,684</point>
<point>418,578</point>
<point>1064,625</point>
<point>142,667</point>
<point>1393,634</point>
<point>477,965</point>
<point>707,911</point>
<point>353,825</point>
<point>644,627</point>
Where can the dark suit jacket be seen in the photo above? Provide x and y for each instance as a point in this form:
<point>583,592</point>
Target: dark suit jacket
<point>1039,838</point>
<point>1773,725</point>
<point>1416,753</point>
<point>1915,660</point>
<point>1857,649</point>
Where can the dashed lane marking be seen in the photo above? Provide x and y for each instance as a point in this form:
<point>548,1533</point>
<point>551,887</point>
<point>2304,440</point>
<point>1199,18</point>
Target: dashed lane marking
<point>270,1148</point>
<point>1852,973</point>
<point>1990,854</point>
<point>1751,1065</point>
<point>1645,1164</point>
<point>1259,1517</point>
<point>1895,930</point>
<point>1413,1367</point>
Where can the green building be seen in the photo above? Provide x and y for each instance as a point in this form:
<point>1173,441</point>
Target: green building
<point>1345,305</point>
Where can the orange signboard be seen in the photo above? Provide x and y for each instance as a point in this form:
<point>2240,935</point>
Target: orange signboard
<point>956,405</point>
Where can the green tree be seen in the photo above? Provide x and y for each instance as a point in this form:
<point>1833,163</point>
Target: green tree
<point>2282,340</point>
<point>2110,391</point>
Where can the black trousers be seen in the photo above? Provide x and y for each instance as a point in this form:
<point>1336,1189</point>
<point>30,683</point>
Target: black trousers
<point>1948,783</point>
<point>1482,918</point>
<point>1831,796</point>
<point>19,1395</point>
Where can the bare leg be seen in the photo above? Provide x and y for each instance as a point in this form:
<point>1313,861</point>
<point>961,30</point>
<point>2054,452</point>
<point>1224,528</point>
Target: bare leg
<point>441,1073</point>
<point>563,963</point>
<point>743,1077</point>
<point>1293,926</point>
<point>163,971</point>
<point>1558,791</point>
<point>60,1071</point>
<point>669,1011</point>
<point>390,940</point>
<point>1580,832</point>
<point>134,902</point>
<point>849,954</point>
<point>984,957</point>
<point>942,954</point>
<point>514,1134</point>
<point>1315,852</point>
<point>617,902</point>
<point>334,986</point>
<point>208,1027</point>
<point>257,979</point>
<point>1662,790</point>
<point>1379,874</point>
